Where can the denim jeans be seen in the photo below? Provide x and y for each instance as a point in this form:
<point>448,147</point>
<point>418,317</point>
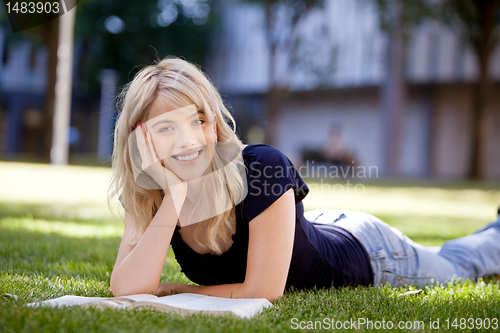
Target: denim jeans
<point>398,260</point>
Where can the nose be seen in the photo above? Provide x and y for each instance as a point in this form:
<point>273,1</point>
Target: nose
<point>187,137</point>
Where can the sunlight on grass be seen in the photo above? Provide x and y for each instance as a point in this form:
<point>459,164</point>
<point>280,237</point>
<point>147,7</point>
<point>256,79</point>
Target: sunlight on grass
<point>69,229</point>
<point>67,193</point>
<point>45,183</point>
<point>72,185</point>
<point>460,203</point>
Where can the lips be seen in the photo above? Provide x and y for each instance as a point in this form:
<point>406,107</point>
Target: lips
<point>187,157</point>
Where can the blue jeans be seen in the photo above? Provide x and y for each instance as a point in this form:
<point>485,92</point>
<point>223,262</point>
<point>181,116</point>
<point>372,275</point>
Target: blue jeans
<point>398,260</point>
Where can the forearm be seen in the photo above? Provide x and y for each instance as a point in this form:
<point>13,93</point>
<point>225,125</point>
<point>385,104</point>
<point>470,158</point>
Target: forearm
<point>140,270</point>
<point>235,290</point>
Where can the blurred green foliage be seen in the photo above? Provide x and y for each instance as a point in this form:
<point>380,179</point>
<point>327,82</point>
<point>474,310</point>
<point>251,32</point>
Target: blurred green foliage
<point>126,35</point>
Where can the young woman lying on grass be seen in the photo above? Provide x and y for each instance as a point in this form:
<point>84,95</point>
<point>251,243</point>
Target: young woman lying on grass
<point>233,213</point>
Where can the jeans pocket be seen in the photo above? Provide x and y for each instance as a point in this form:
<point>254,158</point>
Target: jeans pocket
<point>403,251</point>
<point>381,263</point>
<point>401,262</point>
<point>397,244</point>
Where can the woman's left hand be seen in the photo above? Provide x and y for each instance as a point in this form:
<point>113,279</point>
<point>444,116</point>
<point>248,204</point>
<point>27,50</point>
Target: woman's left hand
<point>167,288</point>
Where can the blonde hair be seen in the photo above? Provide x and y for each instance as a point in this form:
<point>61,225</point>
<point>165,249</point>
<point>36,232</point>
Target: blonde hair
<point>180,83</point>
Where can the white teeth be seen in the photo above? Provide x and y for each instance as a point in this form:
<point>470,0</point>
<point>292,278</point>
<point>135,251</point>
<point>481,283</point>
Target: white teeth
<point>188,157</point>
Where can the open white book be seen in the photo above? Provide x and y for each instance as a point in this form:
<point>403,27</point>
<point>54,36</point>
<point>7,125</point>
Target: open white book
<point>181,303</point>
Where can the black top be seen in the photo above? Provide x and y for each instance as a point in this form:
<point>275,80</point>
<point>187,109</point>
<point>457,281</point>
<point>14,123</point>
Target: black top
<point>323,256</point>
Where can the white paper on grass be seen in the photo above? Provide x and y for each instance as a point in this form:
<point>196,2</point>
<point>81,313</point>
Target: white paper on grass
<point>244,308</point>
<point>69,300</point>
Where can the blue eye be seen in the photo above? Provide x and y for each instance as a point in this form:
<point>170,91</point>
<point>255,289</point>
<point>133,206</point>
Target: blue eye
<point>199,122</point>
<point>165,129</point>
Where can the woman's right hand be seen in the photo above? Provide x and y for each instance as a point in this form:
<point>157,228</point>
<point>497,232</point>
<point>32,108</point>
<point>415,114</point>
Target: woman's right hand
<point>166,179</point>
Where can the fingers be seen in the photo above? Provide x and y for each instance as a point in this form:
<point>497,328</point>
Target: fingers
<point>146,147</point>
<point>142,147</point>
<point>150,162</point>
<point>151,147</point>
<point>164,175</point>
<point>148,144</point>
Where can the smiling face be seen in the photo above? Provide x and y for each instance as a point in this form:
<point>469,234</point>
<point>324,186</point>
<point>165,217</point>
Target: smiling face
<point>182,137</point>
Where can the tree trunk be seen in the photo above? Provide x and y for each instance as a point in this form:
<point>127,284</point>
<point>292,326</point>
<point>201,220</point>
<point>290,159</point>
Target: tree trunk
<point>275,100</point>
<point>479,131</point>
<point>483,44</point>
<point>50,36</point>
<point>277,91</point>
<point>393,102</point>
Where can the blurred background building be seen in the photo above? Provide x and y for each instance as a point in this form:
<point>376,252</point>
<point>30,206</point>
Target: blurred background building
<point>440,70</point>
<point>326,65</point>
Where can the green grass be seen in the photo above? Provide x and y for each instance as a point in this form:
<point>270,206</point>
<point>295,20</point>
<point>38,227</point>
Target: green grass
<point>57,237</point>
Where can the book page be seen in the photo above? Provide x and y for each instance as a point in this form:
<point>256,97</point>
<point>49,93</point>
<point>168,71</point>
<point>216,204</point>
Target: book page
<point>250,310</point>
<point>67,300</point>
<point>117,302</point>
<point>240,307</point>
<point>186,303</point>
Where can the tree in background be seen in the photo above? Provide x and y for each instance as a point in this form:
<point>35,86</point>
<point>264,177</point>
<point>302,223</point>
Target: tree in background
<point>45,35</point>
<point>123,35</point>
<point>282,18</point>
<point>397,19</point>
<point>479,24</point>
<point>126,35</point>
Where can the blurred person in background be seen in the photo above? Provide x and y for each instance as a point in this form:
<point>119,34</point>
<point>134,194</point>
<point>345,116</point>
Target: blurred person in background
<point>335,151</point>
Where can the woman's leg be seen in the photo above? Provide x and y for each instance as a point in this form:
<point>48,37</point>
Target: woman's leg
<point>476,255</point>
<point>398,260</point>
<point>393,259</point>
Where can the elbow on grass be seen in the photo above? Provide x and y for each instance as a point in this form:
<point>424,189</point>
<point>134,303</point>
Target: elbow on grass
<point>273,298</point>
<point>270,295</point>
<point>119,291</point>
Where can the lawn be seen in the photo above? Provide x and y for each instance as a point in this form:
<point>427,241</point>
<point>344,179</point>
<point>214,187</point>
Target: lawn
<point>58,237</point>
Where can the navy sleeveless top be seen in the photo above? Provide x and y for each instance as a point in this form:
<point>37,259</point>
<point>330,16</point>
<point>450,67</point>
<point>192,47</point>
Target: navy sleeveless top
<point>323,256</point>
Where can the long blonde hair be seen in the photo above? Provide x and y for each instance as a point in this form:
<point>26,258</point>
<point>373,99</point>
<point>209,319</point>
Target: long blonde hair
<point>180,83</point>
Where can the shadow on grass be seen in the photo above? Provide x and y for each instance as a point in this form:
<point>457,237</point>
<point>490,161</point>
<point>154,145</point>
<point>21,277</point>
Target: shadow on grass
<point>50,254</point>
<point>32,252</point>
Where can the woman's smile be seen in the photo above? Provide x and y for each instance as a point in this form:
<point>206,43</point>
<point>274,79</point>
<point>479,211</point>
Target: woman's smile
<point>187,158</point>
